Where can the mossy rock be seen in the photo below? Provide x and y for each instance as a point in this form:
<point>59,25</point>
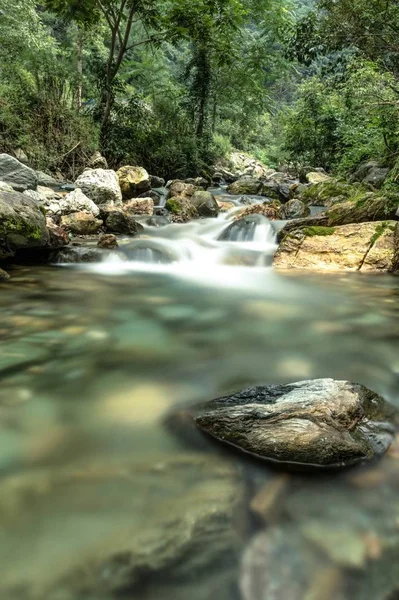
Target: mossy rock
<point>181,209</point>
<point>22,223</point>
<point>318,231</point>
<point>363,207</point>
<point>328,192</point>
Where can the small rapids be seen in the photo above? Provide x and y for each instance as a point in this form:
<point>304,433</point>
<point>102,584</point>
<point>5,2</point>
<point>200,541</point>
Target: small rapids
<point>202,248</point>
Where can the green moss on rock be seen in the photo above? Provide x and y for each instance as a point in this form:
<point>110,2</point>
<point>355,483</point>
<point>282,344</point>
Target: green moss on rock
<point>29,231</point>
<point>318,231</point>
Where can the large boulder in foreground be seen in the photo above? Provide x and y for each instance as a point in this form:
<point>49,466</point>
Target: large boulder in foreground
<point>365,247</point>
<point>362,208</point>
<point>320,423</point>
<point>133,181</point>
<point>17,175</point>
<point>22,224</point>
<point>81,223</point>
<point>101,186</point>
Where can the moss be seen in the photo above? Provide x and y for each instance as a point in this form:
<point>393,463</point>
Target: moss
<point>379,230</point>
<point>8,226</point>
<point>318,231</point>
<point>42,210</point>
<point>321,192</point>
<point>173,205</point>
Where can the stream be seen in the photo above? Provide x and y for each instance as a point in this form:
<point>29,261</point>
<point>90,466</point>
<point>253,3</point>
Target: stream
<point>105,495</point>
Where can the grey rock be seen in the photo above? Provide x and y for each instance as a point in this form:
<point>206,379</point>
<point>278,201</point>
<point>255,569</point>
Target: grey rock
<point>205,203</point>
<point>158,221</point>
<point>101,186</point>
<point>319,423</point>
<point>295,209</point>
<point>376,176</point>
<point>47,180</point>
<point>4,187</point>
<point>116,221</point>
<point>78,254</point>
<point>17,175</point>
<point>157,182</point>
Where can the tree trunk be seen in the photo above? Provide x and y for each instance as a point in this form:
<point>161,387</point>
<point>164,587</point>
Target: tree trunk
<point>79,68</point>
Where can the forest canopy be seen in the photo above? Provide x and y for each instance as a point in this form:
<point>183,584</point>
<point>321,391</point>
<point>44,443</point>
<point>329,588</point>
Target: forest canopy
<point>173,85</point>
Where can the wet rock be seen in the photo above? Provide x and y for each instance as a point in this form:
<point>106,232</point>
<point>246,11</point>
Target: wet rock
<point>97,161</point>
<point>56,205</point>
<point>225,206</point>
<point>149,251</point>
<point>81,223</point>
<point>295,209</point>
<point>22,224</point>
<point>158,221</point>
<point>58,236</point>
<point>133,544</point>
<point>77,254</point>
<point>139,206</point>
<point>198,182</point>
<point>101,186</point>
<point>117,221</point>
<point>154,196</point>
<point>133,181</point>
<point>4,276</point>
<point>205,203</point>
<point>108,241</point>
<point>243,229</point>
<point>17,175</point>
<point>327,193</point>
<point>271,189</point>
<point>370,247</point>
<point>250,186</point>
<point>157,182</point>
<point>318,423</point>
<point>181,209</point>
<point>317,177</point>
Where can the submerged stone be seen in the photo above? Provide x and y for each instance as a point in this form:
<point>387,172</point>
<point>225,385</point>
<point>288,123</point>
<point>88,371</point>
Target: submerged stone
<point>319,423</point>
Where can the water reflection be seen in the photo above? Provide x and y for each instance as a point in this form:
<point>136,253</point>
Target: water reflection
<point>100,500</point>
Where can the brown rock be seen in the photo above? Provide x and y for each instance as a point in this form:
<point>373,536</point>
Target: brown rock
<point>357,247</point>
<point>139,206</point>
<point>178,188</point>
<point>4,276</point>
<point>271,210</point>
<point>58,236</point>
<point>107,240</point>
<point>81,223</point>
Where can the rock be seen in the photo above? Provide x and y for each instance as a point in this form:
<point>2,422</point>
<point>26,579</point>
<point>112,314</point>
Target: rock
<point>241,164</point>
<point>358,247</point>
<point>198,182</point>
<point>97,161</point>
<point>74,202</point>
<point>317,177</point>
<point>133,181</point>
<point>217,179</point>
<point>363,208</point>
<point>118,221</point>
<point>21,156</point>
<point>376,177</point>
<point>78,254</point>
<point>181,209</point>
<point>35,195</point>
<point>294,224</point>
<point>158,221</point>
<point>17,175</point>
<point>243,229</point>
<point>319,423</point>
<point>270,210</point>
<point>149,251</point>
<point>272,189</point>
<point>58,236</point>
<point>22,224</point>
<point>46,180</point>
<point>81,223</point>
<point>157,182</point>
<point>4,276</point>
<point>4,187</point>
<point>178,188</point>
<point>246,186</point>
<point>327,193</point>
<point>135,541</point>
<point>295,209</point>
<point>139,206</point>
<point>155,197</point>
<point>225,206</point>
<point>101,186</point>
<point>205,203</point>
<point>107,240</point>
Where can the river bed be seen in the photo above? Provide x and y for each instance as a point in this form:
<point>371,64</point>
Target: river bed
<point>104,496</point>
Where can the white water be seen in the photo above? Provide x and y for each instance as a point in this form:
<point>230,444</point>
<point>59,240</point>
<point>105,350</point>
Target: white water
<point>196,250</point>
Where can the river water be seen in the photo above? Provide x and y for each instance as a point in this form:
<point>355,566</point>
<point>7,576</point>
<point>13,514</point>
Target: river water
<point>105,495</point>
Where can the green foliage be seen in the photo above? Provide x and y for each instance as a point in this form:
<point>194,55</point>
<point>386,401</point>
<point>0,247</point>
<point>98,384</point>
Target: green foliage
<point>318,231</point>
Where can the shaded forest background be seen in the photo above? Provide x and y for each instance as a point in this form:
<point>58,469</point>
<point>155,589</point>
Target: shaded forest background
<point>173,85</point>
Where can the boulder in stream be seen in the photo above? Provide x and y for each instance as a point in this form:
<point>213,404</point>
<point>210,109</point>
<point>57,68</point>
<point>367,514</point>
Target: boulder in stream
<point>371,247</point>
<point>205,203</point>
<point>295,209</point>
<point>133,181</point>
<point>81,223</point>
<point>321,423</point>
<point>250,186</point>
<point>101,186</point>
